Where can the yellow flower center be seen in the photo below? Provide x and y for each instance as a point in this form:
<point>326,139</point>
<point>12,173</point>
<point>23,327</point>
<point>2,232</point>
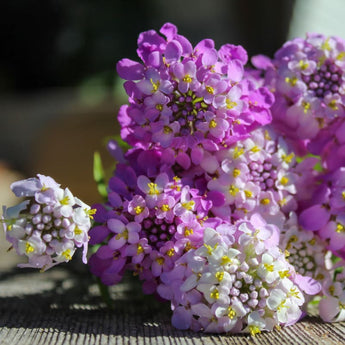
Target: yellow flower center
<point>159,107</point>
<point>78,231</point>
<point>160,261</point>
<point>292,81</point>
<point>67,254</point>
<point>138,209</point>
<point>153,188</point>
<point>265,201</point>
<point>253,330</point>
<point>213,124</point>
<point>187,78</point>
<point>214,294</point>
<point>230,104</point>
<point>188,205</point>
<point>233,190</point>
<point>269,267</point>
<point>167,130</point>
<point>165,208</point>
<point>171,252</point>
<point>333,104</point>
<point>284,180</point>
<point>29,248</point>
<point>236,172</point>
<point>340,228</point>
<point>140,249</point>
<point>210,89</point>
<point>65,200</point>
<point>248,193</point>
<point>219,276</point>
<point>231,313</point>
<point>188,232</point>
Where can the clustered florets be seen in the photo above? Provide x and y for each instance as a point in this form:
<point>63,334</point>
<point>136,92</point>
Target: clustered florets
<point>211,206</point>
<point>189,99</point>
<point>49,225</point>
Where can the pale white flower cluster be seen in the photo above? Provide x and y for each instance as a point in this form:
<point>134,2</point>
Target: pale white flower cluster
<point>245,285</point>
<point>49,225</point>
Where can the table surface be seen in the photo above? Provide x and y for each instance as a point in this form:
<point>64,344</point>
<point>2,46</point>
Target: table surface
<point>63,306</point>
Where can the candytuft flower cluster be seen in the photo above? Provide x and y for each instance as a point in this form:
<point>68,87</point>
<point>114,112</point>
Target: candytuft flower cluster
<point>230,202</point>
<point>48,225</point>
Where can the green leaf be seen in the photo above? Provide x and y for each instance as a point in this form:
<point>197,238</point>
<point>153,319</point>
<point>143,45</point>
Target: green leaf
<point>98,175</point>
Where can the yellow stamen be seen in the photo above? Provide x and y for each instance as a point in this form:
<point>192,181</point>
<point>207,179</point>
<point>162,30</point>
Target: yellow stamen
<point>325,45</point>
<point>236,172</point>
<point>231,313</point>
<point>214,294</point>
<point>210,89</point>
<point>65,200</point>
<point>340,56</point>
<point>165,208</point>
<point>238,152</point>
<point>219,276</point>
<point>230,104</point>
<point>90,212</point>
<point>248,193</point>
<point>269,267</point>
<point>306,106</point>
<point>288,158</point>
<point>213,124</point>
<point>253,330</point>
<point>188,232</point>
<point>159,107</point>
<point>188,205</point>
<point>155,86</point>
<point>284,274</point>
<point>123,234</point>
<point>225,260</point>
<point>265,201</point>
<point>294,293</point>
<point>167,130</point>
<point>292,81</point>
<point>171,252</point>
<point>78,231</point>
<point>282,202</point>
<point>284,180</point>
<point>160,261</point>
<point>140,249</point>
<point>187,78</point>
<point>303,65</point>
<point>67,254</point>
<point>29,248</point>
<point>340,228</point>
<point>153,188</point>
<point>138,209</point>
<point>255,149</point>
<point>233,190</point>
<point>333,104</point>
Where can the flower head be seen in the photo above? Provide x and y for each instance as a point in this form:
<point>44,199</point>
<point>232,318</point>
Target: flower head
<point>49,225</point>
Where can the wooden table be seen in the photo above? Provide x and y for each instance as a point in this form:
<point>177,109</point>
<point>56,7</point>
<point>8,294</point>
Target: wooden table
<point>63,306</point>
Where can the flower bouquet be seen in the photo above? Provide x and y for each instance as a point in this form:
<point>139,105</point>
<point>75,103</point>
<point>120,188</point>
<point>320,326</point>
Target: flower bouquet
<point>229,199</point>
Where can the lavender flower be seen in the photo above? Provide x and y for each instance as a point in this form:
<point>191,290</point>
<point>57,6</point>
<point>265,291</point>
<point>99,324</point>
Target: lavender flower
<point>49,225</point>
<point>308,77</point>
<point>241,284</point>
<point>187,100</point>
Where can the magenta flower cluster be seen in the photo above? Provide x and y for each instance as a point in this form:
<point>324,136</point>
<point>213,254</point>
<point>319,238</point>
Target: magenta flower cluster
<point>230,202</point>
<point>185,100</point>
<point>48,225</point>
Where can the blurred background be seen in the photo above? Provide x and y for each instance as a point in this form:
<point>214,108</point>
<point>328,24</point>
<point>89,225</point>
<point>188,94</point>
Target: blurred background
<point>59,93</point>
